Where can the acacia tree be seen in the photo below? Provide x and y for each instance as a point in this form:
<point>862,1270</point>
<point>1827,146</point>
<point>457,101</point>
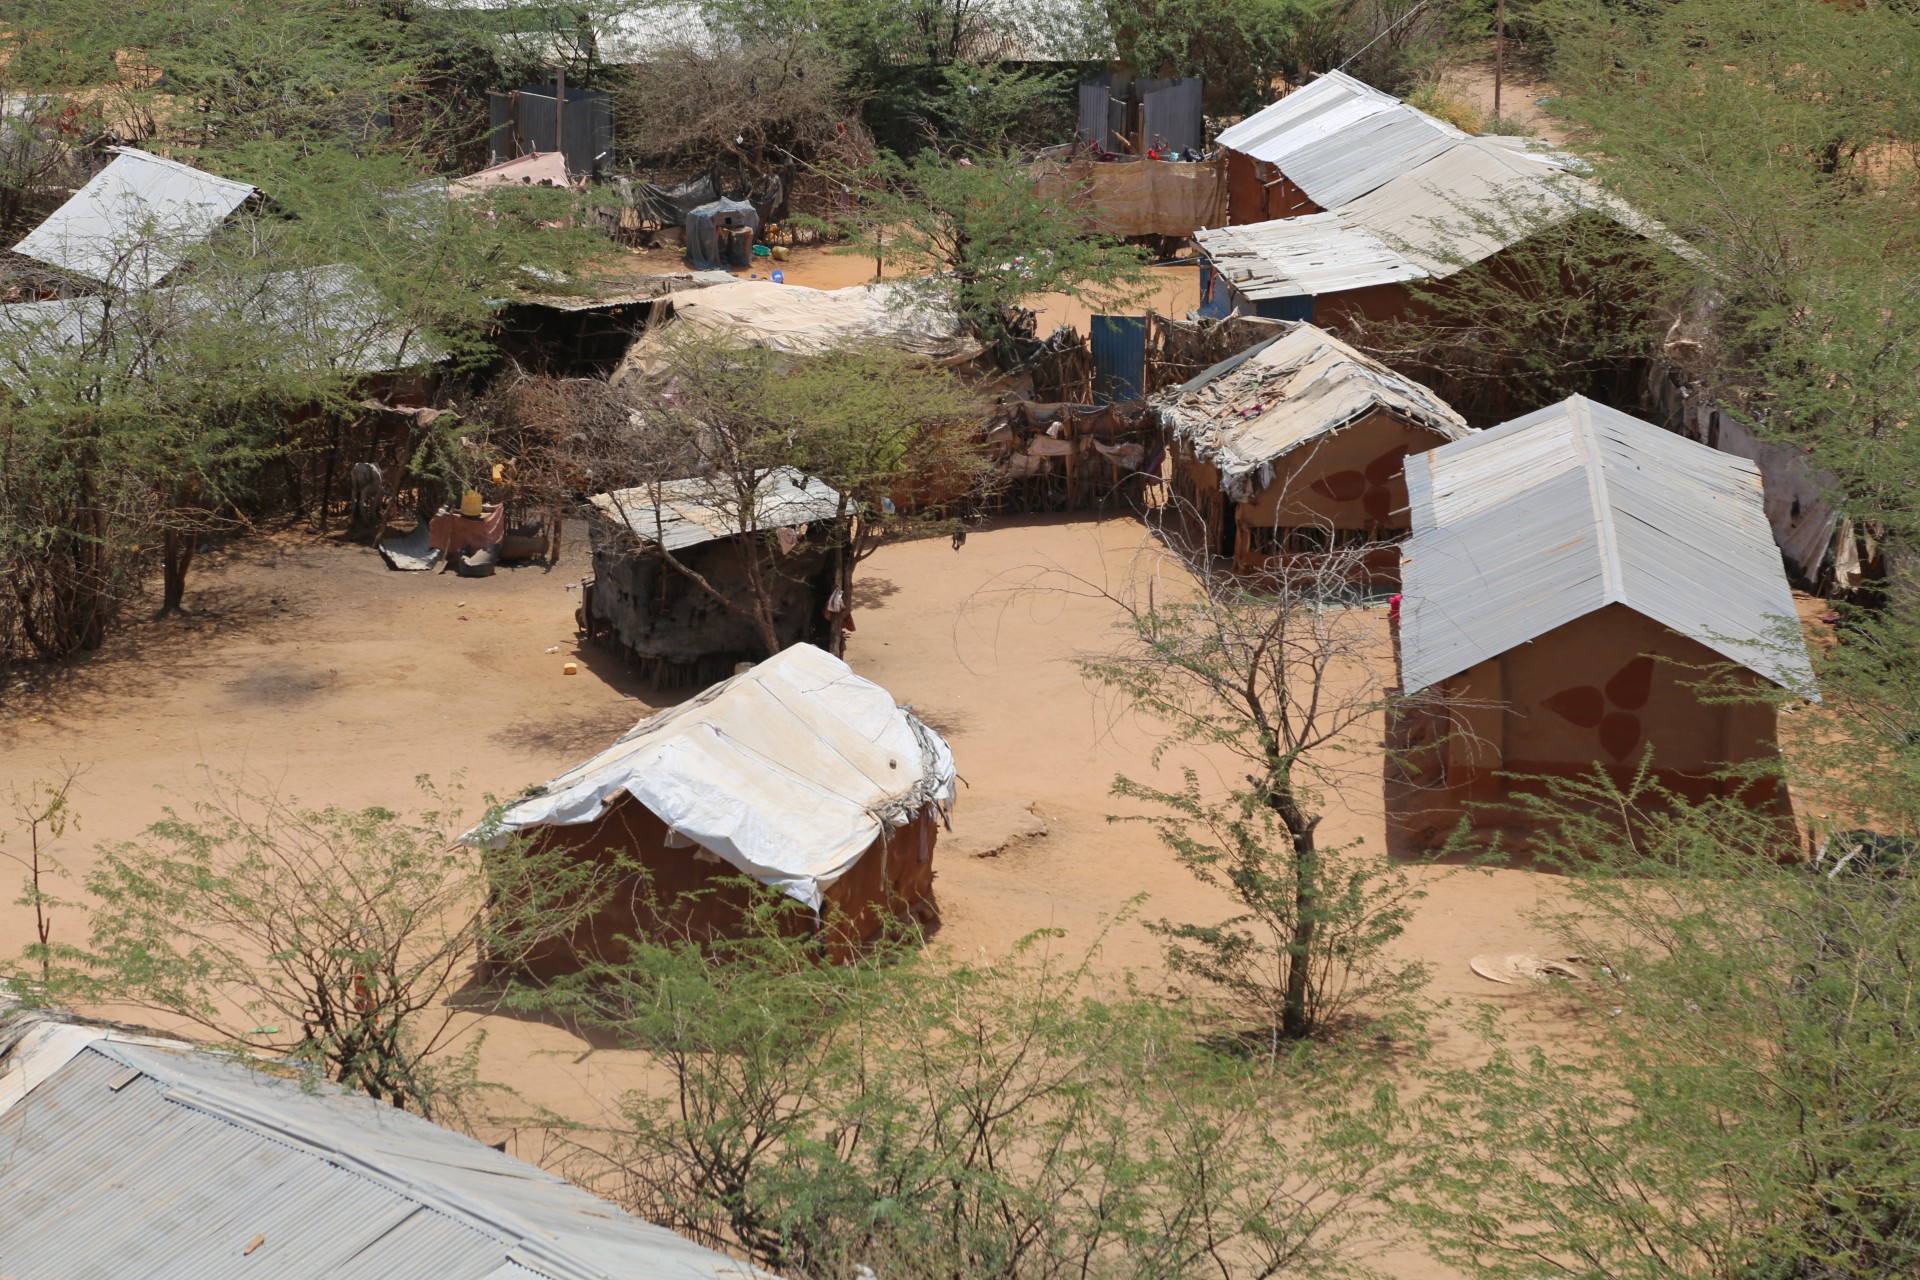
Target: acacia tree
<point>932,1116</point>
<point>976,241</point>
<point>1573,305</point>
<point>329,937</point>
<point>898,439</point>
<point>1283,672</point>
<point>1766,134</point>
<point>895,438</point>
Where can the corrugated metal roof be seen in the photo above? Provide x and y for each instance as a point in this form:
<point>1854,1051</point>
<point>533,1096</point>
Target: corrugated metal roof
<point>1337,138</point>
<point>1462,205</point>
<point>135,221</point>
<point>1544,519</point>
<point>1291,389</point>
<point>686,513</point>
<point>1302,257</point>
<point>131,1159</point>
<point>1471,201</point>
<point>331,318</point>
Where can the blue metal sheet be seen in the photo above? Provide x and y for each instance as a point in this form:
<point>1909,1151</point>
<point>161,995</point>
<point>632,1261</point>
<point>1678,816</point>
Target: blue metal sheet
<point>1119,358</point>
<point>1300,308</point>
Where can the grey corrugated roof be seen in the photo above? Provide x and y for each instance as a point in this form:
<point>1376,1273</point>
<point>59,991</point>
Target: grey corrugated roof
<point>1544,519</point>
<point>686,513</point>
<point>1464,204</point>
<point>1291,389</point>
<point>135,221</point>
<point>340,322</point>
<point>1337,138</point>
<point>135,1160</point>
<point>1302,257</point>
<point>1471,201</point>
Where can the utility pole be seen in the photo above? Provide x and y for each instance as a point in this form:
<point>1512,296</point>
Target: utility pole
<point>560,107</point>
<point>1499,50</point>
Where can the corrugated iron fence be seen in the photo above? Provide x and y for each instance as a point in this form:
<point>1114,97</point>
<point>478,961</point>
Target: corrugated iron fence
<point>524,120</point>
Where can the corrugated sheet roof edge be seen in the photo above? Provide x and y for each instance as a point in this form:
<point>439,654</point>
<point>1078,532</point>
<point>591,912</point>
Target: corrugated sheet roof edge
<point>1793,673</point>
<point>538,1254</point>
<point>155,158</point>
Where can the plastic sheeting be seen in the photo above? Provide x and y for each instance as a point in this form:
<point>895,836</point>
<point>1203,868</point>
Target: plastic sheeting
<point>795,320</point>
<point>703,228</point>
<point>535,169</point>
<point>788,771</point>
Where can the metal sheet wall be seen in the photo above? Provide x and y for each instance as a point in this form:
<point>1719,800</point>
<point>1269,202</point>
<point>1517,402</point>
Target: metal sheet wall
<point>1119,358</point>
<point>1093,114</point>
<point>1171,116</point>
<point>524,121</point>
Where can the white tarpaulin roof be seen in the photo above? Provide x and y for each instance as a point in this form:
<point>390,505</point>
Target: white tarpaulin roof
<point>787,771</point>
<point>135,220</point>
<point>795,320</point>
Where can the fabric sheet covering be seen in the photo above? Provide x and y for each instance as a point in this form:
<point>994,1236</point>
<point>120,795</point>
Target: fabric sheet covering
<point>788,771</point>
<point>1138,197</point>
<point>536,169</point>
<point>703,225</point>
<point>452,532</point>
<point>795,320</point>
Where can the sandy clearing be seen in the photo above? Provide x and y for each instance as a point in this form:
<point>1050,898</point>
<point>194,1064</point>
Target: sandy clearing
<point>312,666</point>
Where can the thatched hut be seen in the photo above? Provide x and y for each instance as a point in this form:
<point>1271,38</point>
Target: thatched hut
<point>1296,448</point>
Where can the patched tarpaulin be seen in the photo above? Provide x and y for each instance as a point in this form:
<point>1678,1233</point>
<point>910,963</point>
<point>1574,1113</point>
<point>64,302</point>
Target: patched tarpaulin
<point>703,234</point>
<point>788,771</point>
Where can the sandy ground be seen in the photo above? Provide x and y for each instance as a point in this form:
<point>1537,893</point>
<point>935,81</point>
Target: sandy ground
<point>1521,94</point>
<point>1171,290</point>
<point>312,667</point>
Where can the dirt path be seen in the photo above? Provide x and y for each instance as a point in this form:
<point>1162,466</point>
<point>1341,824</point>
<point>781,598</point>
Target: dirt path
<point>314,668</point>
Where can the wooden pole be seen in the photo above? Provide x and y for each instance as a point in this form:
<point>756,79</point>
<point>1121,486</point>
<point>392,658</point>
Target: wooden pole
<point>1499,50</point>
<point>560,108</point>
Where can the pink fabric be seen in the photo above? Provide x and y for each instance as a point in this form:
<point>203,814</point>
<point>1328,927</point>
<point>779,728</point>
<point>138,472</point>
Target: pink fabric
<point>452,532</point>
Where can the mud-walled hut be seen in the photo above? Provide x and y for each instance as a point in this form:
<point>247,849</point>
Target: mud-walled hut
<point>796,773</point>
<point>644,602</point>
<point>1296,448</point>
<point>1572,579</point>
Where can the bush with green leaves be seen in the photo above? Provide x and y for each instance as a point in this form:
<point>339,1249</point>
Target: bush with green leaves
<point>922,1114</point>
<point>334,938</point>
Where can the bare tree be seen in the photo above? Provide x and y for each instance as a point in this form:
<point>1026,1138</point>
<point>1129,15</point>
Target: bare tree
<point>766,101</point>
<point>1285,670</point>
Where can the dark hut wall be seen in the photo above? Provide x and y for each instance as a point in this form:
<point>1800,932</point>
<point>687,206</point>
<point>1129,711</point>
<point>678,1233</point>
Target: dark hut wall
<point>1353,481</point>
<point>676,632</point>
<point>1600,691</point>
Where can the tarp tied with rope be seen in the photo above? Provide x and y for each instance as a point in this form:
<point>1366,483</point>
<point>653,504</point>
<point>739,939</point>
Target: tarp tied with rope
<point>789,771</point>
